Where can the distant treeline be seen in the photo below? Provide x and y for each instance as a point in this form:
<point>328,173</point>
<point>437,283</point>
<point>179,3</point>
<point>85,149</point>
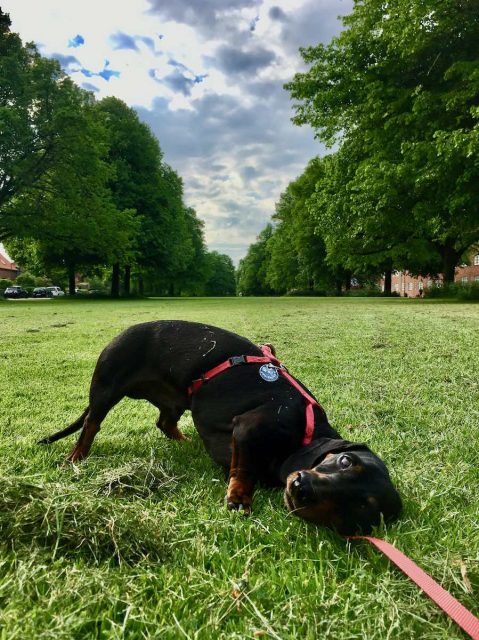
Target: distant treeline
<point>396,98</point>
<point>83,187</point>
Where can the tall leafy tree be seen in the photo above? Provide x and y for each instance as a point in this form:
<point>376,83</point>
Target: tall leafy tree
<point>361,214</point>
<point>139,182</point>
<point>220,280</point>
<point>38,105</point>
<point>298,252</point>
<point>191,273</point>
<point>399,87</point>
<point>53,172</point>
<point>252,273</point>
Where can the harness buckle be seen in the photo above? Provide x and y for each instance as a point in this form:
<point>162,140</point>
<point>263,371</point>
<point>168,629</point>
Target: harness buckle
<point>234,360</point>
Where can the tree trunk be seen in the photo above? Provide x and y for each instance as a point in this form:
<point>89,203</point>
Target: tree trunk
<point>347,281</point>
<point>141,287</point>
<point>172,290</point>
<point>115,281</point>
<point>127,280</point>
<point>339,287</point>
<point>450,258</point>
<point>388,274</point>
<point>71,279</point>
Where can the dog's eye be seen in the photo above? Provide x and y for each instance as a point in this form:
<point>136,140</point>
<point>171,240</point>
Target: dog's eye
<point>345,462</point>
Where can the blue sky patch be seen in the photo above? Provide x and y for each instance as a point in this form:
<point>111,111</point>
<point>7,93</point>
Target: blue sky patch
<point>123,41</point>
<point>105,73</point>
<point>75,42</point>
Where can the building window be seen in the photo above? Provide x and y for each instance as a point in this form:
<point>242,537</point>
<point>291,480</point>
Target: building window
<point>476,260</point>
<point>476,278</point>
<point>410,286</point>
<point>464,280</point>
<point>396,287</point>
<point>420,285</point>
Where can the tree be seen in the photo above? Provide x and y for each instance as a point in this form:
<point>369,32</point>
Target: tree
<point>191,273</point>
<point>37,112</point>
<point>361,212</point>
<point>399,88</point>
<point>221,275</point>
<point>135,157</point>
<point>253,268</point>
<point>79,222</point>
<point>298,252</point>
<point>52,170</point>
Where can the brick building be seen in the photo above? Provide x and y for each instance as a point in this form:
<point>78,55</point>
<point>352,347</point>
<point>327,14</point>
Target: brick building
<point>412,286</point>
<point>8,269</point>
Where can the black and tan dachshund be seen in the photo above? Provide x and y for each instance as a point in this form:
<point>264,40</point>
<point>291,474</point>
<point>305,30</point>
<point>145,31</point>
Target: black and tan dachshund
<point>251,415</point>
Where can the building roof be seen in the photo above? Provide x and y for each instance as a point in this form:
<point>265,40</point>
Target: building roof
<point>7,264</point>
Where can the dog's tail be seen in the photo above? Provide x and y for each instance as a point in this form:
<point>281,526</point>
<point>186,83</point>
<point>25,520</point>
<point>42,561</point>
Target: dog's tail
<point>75,426</point>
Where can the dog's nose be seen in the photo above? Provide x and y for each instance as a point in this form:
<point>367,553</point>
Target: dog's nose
<point>299,478</point>
<point>301,485</point>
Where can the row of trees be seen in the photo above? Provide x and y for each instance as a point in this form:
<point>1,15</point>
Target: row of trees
<point>83,184</point>
<point>396,98</point>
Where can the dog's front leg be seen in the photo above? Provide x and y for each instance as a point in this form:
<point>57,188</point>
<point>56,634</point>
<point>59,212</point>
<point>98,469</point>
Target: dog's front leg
<point>241,479</point>
<point>247,454</point>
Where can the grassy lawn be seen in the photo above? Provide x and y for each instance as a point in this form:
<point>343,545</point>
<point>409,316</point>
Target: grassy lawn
<point>136,542</point>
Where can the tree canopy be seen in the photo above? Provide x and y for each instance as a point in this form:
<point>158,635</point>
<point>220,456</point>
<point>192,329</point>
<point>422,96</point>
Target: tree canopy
<point>397,90</point>
<point>83,184</point>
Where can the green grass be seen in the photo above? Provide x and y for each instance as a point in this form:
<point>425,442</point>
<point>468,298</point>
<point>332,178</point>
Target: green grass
<point>136,542</point>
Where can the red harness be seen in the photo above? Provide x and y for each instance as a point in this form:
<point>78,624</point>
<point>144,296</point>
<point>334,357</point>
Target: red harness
<point>266,358</point>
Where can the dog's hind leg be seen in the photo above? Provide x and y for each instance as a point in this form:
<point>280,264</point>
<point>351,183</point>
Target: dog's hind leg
<point>100,405</point>
<point>168,423</point>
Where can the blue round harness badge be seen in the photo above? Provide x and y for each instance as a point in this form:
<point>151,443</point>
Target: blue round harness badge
<point>269,372</point>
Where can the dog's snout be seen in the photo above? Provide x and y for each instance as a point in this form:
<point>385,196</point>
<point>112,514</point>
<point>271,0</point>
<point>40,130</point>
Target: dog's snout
<point>301,486</point>
<point>299,479</point>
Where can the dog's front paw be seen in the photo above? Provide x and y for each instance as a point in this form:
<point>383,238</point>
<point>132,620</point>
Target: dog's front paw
<point>239,504</point>
<point>239,495</point>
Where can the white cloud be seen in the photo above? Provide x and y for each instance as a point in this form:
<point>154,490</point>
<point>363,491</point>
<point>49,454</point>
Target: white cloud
<point>228,133</point>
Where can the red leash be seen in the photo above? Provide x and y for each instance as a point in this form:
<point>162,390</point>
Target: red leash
<point>454,609</point>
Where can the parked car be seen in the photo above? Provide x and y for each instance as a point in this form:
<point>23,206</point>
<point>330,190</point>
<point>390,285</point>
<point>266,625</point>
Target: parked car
<point>15,292</point>
<point>55,291</point>
<point>41,292</point>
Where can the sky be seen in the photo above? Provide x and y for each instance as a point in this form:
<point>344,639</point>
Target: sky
<point>207,77</point>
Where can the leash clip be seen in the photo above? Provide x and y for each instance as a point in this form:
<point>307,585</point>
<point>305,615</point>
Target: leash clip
<point>234,360</point>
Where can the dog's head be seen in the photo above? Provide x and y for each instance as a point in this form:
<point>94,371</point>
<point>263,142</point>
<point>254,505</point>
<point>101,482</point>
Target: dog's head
<point>339,484</point>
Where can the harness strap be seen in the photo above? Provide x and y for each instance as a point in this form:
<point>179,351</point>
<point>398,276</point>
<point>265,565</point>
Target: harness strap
<point>445,601</point>
<point>227,364</point>
<point>267,358</point>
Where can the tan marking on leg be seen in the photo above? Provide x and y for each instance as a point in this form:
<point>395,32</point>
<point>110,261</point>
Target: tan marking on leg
<point>82,448</point>
<point>240,487</point>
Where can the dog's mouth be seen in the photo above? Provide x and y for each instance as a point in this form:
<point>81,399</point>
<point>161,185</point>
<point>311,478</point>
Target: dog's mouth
<point>288,501</point>
<point>308,504</point>
<point>295,497</point>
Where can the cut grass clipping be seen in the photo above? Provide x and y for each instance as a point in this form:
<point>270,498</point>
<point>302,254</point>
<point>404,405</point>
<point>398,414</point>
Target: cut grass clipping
<point>87,525</point>
<point>136,542</point>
